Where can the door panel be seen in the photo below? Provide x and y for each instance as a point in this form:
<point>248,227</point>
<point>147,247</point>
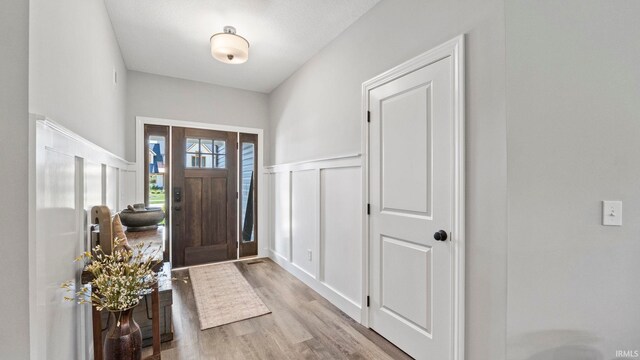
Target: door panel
<point>405,144</point>
<point>403,287</point>
<point>193,212</point>
<point>410,194</point>
<point>217,216</point>
<point>204,196</point>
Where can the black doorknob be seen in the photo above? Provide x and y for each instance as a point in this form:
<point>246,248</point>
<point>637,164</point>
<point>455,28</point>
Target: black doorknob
<point>440,235</point>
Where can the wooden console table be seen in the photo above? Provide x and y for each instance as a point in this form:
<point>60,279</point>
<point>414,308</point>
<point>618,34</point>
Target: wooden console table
<point>101,217</point>
<point>157,241</point>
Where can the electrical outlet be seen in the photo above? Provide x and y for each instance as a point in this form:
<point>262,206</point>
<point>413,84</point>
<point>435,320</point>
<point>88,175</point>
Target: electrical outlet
<point>309,254</point>
<point>612,213</point>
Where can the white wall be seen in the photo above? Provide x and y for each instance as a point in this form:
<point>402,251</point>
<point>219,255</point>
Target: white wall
<point>573,118</point>
<point>14,159</point>
<point>170,98</point>
<point>73,54</point>
<point>316,113</point>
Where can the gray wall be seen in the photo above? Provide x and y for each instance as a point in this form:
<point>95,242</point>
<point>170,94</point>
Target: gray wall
<point>170,98</point>
<point>573,95</point>
<point>316,113</point>
<point>73,53</point>
<point>14,115</point>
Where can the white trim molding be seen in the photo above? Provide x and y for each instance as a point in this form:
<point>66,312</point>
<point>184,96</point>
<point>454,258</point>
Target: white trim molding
<point>326,162</point>
<point>300,242</point>
<point>454,49</point>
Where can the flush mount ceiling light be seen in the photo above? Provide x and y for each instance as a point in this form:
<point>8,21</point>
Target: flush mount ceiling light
<point>228,47</point>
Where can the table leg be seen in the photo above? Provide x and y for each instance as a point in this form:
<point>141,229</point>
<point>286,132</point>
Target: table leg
<point>97,333</point>
<point>155,323</point>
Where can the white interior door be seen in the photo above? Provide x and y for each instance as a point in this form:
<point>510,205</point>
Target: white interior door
<point>411,195</point>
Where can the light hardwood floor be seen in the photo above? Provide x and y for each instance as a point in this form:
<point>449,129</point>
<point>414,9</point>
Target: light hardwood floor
<point>302,325</point>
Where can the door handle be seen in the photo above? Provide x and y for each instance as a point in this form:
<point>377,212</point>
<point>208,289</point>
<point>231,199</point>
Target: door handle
<point>177,208</point>
<point>441,235</point>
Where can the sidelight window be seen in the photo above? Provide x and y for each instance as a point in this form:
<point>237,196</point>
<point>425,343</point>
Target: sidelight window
<point>247,162</point>
<point>156,170</point>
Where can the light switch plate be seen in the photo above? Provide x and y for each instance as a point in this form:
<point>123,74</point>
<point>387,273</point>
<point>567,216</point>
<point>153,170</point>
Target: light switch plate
<point>612,213</point>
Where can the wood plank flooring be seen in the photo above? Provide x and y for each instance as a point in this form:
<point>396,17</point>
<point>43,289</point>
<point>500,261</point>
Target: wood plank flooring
<point>302,325</point>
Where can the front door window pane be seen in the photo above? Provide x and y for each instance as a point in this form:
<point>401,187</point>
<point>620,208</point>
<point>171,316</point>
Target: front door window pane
<point>219,154</point>
<point>246,185</point>
<point>205,154</point>
<point>206,161</point>
<point>192,159</point>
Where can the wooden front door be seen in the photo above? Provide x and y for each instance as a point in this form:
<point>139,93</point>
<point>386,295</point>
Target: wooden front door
<point>204,193</point>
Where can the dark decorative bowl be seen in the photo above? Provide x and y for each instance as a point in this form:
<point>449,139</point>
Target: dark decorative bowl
<point>138,218</point>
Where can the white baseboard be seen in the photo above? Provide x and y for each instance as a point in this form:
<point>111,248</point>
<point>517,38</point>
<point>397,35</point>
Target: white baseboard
<point>340,301</point>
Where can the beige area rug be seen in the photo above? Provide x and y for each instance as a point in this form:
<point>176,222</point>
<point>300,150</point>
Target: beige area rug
<point>223,295</point>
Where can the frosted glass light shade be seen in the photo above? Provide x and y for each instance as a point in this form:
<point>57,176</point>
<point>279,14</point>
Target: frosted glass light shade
<point>229,48</point>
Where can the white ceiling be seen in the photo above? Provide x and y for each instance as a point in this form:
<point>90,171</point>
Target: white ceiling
<point>171,37</point>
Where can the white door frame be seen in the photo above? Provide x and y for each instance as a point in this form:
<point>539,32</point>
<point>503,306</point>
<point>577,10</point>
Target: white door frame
<point>141,121</point>
<point>455,49</point>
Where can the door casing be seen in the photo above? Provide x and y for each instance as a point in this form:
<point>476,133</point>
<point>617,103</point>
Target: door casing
<point>455,49</point>
<point>141,121</point>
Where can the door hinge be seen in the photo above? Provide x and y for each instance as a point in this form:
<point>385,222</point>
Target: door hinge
<point>367,300</point>
<point>368,116</point>
<point>368,209</point>
<point>237,146</point>
<point>237,195</point>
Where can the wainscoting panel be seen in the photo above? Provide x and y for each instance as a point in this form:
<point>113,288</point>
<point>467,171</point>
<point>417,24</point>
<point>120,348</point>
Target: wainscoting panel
<point>304,220</point>
<point>92,184</point>
<point>71,176</point>
<point>112,194</point>
<point>341,241</point>
<point>323,201</point>
<point>59,230</point>
<point>127,188</point>
<point>282,215</point>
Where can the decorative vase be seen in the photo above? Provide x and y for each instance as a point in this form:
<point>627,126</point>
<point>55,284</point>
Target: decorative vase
<point>124,339</point>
